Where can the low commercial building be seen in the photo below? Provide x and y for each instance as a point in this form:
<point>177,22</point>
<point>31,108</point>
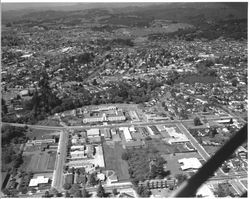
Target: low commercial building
<point>39,142</point>
<point>108,115</point>
<point>126,133</point>
<point>78,154</point>
<point>93,119</point>
<point>158,183</point>
<point>190,163</point>
<point>134,144</point>
<point>101,176</point>
<point>37,181</point>
<point>176,137</point>
<point>106,134</point>
<point>205,192</point>
<point>77,147</point>
<point>112,179</point>
<point>93,133</point>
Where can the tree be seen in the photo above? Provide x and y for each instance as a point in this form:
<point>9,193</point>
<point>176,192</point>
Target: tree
<point>231,121</point>
<point>74,188</point>
<point>4,107</point>
<point>54,191</point>
<point>6,191</point>
<point>180,178</point>
<point>144,191</point>
<point>225,168</point>
<point>67,194</point>
<point>92,179</point>
<point>85,193</point>
<point>125,156</point>
<point>46,194</point>
<point>18,161</point>
<point>18,97</point>
<point>67,186</point>
<point>115,192</point>
<point>100,191</point>
<point>197,121</point>
<point>213,132</point>
<point>94,82</point>
<point>234,82</point>
<point>78,194</point>
<point>23,190</point>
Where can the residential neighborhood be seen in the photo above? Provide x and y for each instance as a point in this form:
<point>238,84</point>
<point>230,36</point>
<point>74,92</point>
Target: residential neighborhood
<point>124,99</point>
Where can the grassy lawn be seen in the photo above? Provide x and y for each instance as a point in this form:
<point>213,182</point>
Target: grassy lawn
<point>52,159</point>
<point>211,149</point>
<point>113,161</point>
<point>38,133</point>
<point>26,162</point>
<point>37,162</point>
<point>161,146</point>
<point>43,161</point>
<point>48,122</point>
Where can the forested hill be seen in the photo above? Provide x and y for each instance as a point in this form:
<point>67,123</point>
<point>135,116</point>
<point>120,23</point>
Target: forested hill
<point>194,13</point>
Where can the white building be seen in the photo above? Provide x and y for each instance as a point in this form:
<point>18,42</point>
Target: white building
<point>39,180</point>
<point>190,163</point>
<point>205,192</point>
<point>92,119</point>
<point>93,132</point>
<point>126,133</point>
<point>175,136</point>
<point>75,154</point>
<point>77,147</point>
<point>150,130</point>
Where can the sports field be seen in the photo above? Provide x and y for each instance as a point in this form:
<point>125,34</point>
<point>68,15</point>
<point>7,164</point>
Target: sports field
<point>39,162</point>
<point>113,161</point>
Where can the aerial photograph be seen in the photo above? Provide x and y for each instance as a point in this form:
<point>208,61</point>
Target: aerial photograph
<point>124,99</point>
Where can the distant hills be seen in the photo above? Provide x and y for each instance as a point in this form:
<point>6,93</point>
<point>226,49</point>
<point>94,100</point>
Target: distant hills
<point>190,12</point>
<point>67,6</point>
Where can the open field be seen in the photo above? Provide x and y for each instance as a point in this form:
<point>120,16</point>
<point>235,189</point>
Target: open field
<point>39,133</point>
<point>52,159</point>
<point>161,146</point>
<point>49,122</point>
<point>113,161</point>
<point>42,161</point>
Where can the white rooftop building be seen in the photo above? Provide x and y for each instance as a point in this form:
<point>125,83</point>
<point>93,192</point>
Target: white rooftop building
<point>39,180</point>
<point>126,133</point>
<point>205,192</point>
<point>190,163</point>
<point>176,137</point>
<point>93,132</point>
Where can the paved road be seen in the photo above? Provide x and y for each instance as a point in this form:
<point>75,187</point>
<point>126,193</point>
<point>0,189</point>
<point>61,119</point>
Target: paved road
<point>194,142</point>
<point>57,181</point>
<point>111,187</point>
<point>35,126</point>
<point>197,145</point>
<point>239,188</point>
<point>108,126</point>
<point>227,177</point>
